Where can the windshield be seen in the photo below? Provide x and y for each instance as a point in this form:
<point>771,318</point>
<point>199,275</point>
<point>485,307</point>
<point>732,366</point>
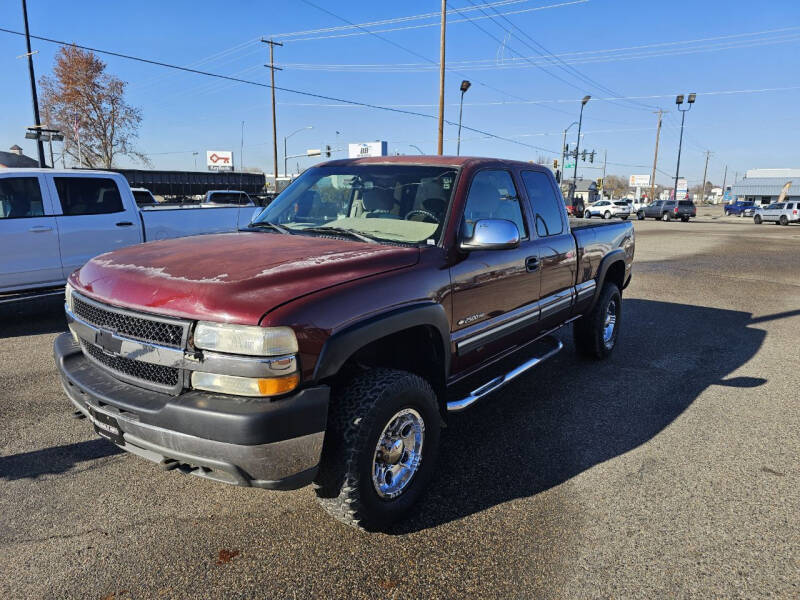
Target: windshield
<point>388,203</point>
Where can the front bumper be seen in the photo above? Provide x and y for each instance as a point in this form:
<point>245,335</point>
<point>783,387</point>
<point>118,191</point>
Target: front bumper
<point>274,444</point>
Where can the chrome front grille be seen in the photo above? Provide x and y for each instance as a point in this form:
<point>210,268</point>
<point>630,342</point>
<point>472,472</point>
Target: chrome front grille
<point>136,369</point>
<point>144,328</point>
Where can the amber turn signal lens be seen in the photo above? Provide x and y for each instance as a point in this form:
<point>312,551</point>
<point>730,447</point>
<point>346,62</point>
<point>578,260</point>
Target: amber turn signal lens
<point>278,385</point>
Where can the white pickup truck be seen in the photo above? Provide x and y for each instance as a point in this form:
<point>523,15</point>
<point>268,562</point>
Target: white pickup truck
<point>53,221</point>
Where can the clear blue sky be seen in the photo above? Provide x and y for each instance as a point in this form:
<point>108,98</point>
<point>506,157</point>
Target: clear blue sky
<point>185,112</point>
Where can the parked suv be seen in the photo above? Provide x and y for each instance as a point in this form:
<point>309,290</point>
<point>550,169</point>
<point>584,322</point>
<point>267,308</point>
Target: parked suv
<point>607,209</point>
<point>667,210</point>
<point>781,213</point>
<point>738,208</point>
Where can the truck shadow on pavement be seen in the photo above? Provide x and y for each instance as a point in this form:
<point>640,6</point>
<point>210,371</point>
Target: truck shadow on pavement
<point>32,317</point>
<point>54,460</point>
<point>569,414</point>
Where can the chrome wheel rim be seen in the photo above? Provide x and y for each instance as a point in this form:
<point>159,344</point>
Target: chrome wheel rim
<point>610,324</point>
<point>398,454</point>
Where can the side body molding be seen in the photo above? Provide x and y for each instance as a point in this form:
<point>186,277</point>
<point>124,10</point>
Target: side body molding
<point>344,344</point>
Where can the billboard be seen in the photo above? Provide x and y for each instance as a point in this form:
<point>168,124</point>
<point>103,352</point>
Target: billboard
<point>639,181</point>
<point>219,160</point>
<point>367,149</point>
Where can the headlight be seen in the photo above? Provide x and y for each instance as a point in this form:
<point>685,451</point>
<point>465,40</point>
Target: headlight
<point>244,386</point>
<point>68,297</point>
<point>245,339</point>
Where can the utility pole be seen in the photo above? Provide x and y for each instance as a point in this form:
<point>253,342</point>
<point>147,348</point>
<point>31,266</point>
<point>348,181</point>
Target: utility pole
<point>705,172</point>
<point>724,181</point>
<point>660,113</point>
<point>241,150</point>
<point>440,145</point>
<point>272,69</point>
<point>605,157</point>
<point>37,123</point>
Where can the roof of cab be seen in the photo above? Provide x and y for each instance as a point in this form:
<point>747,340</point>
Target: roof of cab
<point>429,160</point>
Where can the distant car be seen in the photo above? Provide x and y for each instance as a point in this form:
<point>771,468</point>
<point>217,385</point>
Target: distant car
<point>739,207</point>
<point>608,209</point>
<point>781,213</point>
<point>666,210</point>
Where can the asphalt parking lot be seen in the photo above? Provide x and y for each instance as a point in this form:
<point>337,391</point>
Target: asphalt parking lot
<point>669,471</point>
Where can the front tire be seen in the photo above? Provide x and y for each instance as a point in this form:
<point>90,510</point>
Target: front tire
<point>685,219</point>
<point>640,215</point>
<point>757,219</point>
<point>587,215</point>
<point>380,448</point>
<point>595,334</point>
<point>624,217</point>
<point>784,220</point>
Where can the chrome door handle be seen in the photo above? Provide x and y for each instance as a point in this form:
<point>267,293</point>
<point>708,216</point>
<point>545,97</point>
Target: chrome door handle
<point>40,229</point>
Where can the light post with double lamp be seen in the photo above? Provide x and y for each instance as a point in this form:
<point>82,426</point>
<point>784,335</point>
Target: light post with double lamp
<point>679,102</point>
<point>577,149</point>
<point>285,157</point>
<point>464,87</point>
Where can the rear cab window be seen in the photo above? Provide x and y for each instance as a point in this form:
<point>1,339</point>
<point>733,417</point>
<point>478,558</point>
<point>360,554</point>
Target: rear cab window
<point>88,196</point>
<point>547,211</point>
<point>20,198</point>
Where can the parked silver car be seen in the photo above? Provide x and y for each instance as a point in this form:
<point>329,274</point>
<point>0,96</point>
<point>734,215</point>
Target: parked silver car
<point>781,213</point>
<point>608,209</point>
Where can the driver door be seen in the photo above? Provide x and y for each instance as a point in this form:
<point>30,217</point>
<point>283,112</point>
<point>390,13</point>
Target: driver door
<point>494,292</point>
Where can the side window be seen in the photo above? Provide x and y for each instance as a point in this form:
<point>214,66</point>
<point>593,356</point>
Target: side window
<point>492,195</point>
<point>546,209</point>
<point>88,196</point>
<point>20,197</point>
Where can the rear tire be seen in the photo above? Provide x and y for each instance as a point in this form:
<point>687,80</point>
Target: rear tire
<point>757,219</point>
<point>624,217</point>
<point>685,219</point>
<point>666,217</point>
<point>640,215</point>
<point>352,484</point>
<point>607,215</point>
<point>591,333</point>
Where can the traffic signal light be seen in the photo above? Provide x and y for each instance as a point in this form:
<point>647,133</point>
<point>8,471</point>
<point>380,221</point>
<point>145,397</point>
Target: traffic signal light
<point>583,155</point>
<point>599,183</point>
<point>591,157</point>
<point>555,164</point>
<point>328,151</point>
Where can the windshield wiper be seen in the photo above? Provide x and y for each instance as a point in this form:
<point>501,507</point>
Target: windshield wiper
<point>275,226</point>
<point>342,231</point>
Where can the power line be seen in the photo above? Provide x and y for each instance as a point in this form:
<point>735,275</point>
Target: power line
<point>364,31</point>
<point>539,48</point>
<point>265,85</point>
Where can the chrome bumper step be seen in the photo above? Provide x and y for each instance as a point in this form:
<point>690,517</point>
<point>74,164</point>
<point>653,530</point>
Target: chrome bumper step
<point>554,347</point>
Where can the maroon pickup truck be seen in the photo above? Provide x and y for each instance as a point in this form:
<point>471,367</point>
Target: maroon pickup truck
<point>330,341</point>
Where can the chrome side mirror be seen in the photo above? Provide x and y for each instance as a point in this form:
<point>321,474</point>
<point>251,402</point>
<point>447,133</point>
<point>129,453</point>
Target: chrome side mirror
<point>492,234</point>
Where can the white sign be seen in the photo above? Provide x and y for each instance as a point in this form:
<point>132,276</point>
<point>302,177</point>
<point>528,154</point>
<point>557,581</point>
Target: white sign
<point>366,149</point>
<point>683,186</point>
<point>639,181</point>
<point>219,160</point>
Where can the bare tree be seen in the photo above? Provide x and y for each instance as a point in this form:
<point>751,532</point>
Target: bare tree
<point>81,92</point>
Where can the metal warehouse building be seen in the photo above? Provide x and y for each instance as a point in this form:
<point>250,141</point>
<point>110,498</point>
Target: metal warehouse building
<point>763,186</point>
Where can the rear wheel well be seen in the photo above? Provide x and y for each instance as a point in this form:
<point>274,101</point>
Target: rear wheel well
<point>418,350</point>
<point>616,274</point>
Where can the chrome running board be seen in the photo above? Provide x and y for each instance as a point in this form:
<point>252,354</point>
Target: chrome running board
<point>501,380</point>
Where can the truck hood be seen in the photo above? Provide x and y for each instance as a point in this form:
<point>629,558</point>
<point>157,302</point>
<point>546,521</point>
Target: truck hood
<point>232,277</point>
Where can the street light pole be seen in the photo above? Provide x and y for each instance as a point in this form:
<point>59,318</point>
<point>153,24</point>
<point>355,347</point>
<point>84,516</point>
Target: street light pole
<point>679,102</point>
<point>285,158</point>
<point>578,146</point>
<point>464,87</point>
<point>36,122</point>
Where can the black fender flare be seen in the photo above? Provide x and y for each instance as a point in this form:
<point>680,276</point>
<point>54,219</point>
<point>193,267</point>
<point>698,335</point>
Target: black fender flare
<point>342,345</point>
<point>613,257</point>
